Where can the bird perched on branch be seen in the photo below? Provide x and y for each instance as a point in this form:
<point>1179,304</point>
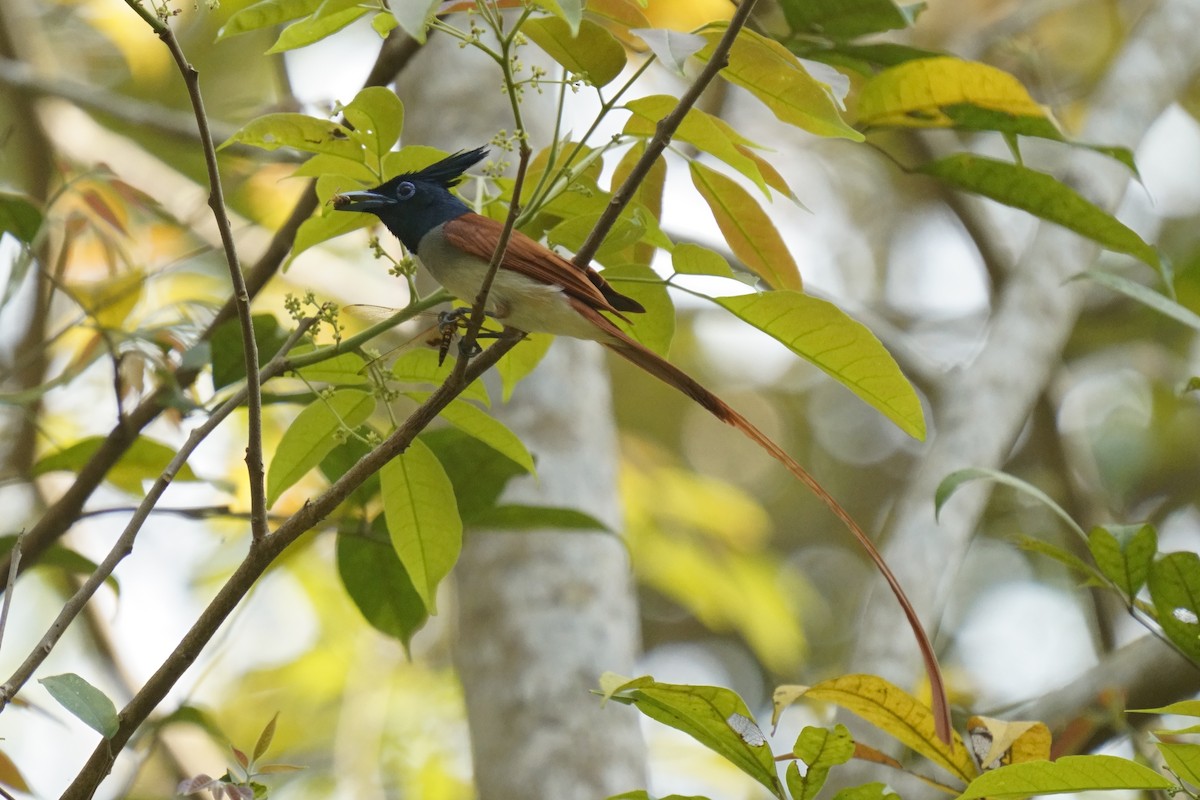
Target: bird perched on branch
<point>538,291</point>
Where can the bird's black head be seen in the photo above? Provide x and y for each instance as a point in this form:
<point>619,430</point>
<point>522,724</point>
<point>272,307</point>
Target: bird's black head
<point>414,202</point>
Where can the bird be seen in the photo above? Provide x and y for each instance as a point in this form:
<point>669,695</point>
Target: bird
<point>536,290</point>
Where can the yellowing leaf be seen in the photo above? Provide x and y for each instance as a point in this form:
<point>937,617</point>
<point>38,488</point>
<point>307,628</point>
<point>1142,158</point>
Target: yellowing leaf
<point>591,52</point>
<point>1040,195</point>
<point>896,712</point>
<point>313,434</point>
<point>422,518</point>
<point>707,133</point>
<point>998,742</point>
<point>1066,775</point>
<point>926,93</point>
<point>750,233</point>
<point>770,72</point>
<point>821,333</point>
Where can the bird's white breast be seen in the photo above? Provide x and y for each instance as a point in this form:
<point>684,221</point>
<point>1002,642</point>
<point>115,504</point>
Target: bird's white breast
<point>516,300</point>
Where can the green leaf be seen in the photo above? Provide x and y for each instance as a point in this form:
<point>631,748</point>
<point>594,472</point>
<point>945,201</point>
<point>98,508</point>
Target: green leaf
<point>477,472</point>
<point>83,700</point>
<point>585,49</point>
<point>422,518</point>
<point>264,739</point>
<point>19,217</point>
<point>1124,554</point>
<point>378,583</point>
<point>656,327</point>
<point>415,16</point>
<point>228,357</point>
<point>520,517</point>
<point>300,132</point>
<point>843,19</point>
<point>266,14</point>
<point>1174,583</point>
<point>1183,759</point>
<point>821,750</point>
<point>384,23</point>
<point>775,76</point>
<point>351,173</point>
<point>1062,556</point>
<point>700,129</point>
<point>1067,774</point>
<point>377,116</point>
<point>694,259</point>
<point>420,366</point>
<point>1040,195</point>
<point>714,716</point>
<point>821,333</point>
<point>329,18</point>
<point>951,482</point>
<point>750,233</point>
<point>315,432</point>
<point>1145,296</point>
<point>145,460</point>
<point>341,459</point>
<point>476,422</point>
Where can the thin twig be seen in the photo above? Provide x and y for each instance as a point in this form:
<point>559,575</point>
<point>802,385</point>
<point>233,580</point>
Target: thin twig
<point>262,553</point>
<point>13,565</point>
<point>394,56</point>
<point>124,544</point>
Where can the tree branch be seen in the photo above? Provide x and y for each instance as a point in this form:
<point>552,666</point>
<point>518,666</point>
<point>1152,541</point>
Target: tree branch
<point>262,553</point>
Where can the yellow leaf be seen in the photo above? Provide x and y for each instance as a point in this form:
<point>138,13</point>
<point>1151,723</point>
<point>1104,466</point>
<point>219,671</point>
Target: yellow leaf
<point>747,228</point>
<point>924,94</point>
<point>998,742</point>
<point>899,714</point>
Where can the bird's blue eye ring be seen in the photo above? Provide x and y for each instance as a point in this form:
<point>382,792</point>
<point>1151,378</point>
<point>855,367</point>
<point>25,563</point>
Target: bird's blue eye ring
<point>405,190</point>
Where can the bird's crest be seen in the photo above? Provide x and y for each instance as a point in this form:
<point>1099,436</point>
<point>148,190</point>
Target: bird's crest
<point>447,172</point>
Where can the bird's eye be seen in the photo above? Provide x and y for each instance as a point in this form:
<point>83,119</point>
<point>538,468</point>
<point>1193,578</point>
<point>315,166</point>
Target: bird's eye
<point>405,190</point>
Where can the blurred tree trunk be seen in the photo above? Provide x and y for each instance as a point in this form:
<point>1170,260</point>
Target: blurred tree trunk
<point>981,409</point>
<point>541,614</point>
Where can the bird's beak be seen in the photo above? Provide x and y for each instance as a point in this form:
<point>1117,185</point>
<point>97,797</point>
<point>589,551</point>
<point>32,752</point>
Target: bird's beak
<point>360,201</point>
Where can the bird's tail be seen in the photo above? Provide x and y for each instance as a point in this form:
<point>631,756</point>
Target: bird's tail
<point>667,372</point>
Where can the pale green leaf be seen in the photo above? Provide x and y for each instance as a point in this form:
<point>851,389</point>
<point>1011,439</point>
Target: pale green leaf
<point>520,361</point>
<point>421,366</point>
<point>342,370</point>
<point>656,327</point>
<point>422,518</point>
<point>414,16</point>
<point>1123,553</point>
<point>951,482</point>
<point>823,334</point>
<point>313,434</point>
<point>377,116</point>
<point>1183,759</point>
<point>300,132</point>
<point>90,705</point>
<point>144,460</point>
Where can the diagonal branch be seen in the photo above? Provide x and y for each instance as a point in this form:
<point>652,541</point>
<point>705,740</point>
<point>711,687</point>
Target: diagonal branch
<point>262,553</point>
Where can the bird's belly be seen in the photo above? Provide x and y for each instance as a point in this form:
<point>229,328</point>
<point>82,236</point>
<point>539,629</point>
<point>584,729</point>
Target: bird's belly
<point>516,300</point>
